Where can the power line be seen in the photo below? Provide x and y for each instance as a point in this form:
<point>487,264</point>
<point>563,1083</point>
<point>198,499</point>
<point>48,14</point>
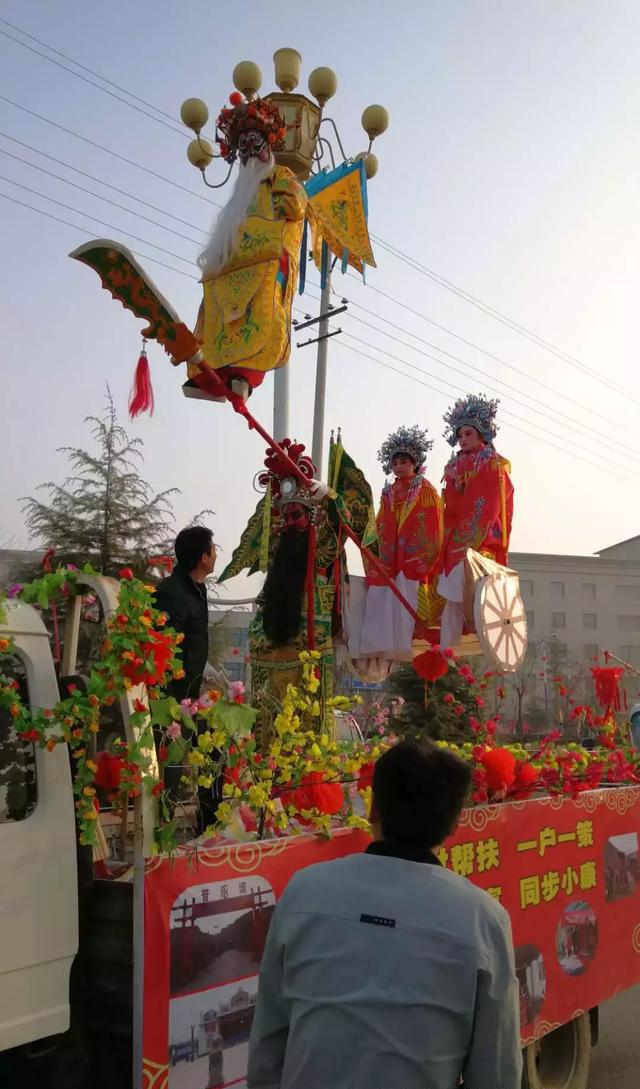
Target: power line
<point>83,230</point>
<point>525,404</point>
<point>393,250</point>
<point>102,222</point>
<point>476,347</point>
<point>505,320</point>
<point>357,351</point>
<point>92,83</point>
<point>109,151</point>
<point>99,196</point>
<point>100,181</point>
<point>531,423</point>
<point>514,427</point>
<point>84,68</point>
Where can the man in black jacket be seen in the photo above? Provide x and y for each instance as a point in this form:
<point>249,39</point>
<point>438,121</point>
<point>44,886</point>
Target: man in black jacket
<point>183,597</point>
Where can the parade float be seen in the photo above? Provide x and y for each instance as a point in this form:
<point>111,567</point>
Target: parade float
<point>551,830</point>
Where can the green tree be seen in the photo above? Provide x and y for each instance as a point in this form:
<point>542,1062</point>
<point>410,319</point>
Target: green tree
<point>104,512</point>
<point>430,708</point>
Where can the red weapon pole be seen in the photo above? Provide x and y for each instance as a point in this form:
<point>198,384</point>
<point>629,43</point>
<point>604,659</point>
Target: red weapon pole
<point>210,381</point>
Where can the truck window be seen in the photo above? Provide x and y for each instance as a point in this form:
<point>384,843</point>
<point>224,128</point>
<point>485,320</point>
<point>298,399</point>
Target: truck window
<point>18,785</point>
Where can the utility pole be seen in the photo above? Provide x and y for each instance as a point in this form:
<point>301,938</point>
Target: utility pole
<point>321,378</point>
<point>281,403</point>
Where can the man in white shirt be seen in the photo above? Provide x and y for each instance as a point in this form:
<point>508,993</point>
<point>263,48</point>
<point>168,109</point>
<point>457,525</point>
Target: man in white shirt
<point>384,970</point>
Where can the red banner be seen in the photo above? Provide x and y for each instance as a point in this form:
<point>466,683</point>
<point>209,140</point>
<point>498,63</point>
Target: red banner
<point>568,872</point>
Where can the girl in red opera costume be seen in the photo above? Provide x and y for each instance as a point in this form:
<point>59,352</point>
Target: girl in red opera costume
<point>478,504</point>
<point>409,526</point>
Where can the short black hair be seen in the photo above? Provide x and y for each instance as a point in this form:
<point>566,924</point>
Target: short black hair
<point>191,544</point>
<point>419,790</point>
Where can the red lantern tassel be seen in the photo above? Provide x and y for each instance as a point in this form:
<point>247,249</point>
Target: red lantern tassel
<point>141,397</point>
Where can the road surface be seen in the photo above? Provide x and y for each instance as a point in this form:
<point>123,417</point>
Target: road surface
<point>615,1062</point>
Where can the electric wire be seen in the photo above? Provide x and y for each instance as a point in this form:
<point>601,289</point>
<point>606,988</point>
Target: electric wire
<point>515,326</point>
<point>102,222</point>
<point>99,196</point>
<point>92,83</point>
<point>544,410</point>
<point>84,68</point>
<point>101,181</point>
<point>83,230</point>
<point>412,262</point>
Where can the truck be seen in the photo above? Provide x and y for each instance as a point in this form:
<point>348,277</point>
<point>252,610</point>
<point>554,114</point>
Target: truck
<point>91,992</point>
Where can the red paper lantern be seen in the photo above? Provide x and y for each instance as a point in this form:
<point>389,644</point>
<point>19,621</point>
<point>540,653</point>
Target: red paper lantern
<point>430,665</point>
<point>314,793</point>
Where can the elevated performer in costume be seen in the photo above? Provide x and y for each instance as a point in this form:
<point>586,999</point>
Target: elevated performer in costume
<point>250,264</point>
<point>296,537</point>
<point>478,504</point>
<point>409,527</point>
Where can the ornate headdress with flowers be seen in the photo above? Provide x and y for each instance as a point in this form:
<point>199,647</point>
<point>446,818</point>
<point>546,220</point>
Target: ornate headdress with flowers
<point>286,488</point>
<point>412,441</point>
<point>475,410</point>
<point>260,115</point>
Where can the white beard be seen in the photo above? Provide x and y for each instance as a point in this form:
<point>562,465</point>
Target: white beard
<point>224,233</point>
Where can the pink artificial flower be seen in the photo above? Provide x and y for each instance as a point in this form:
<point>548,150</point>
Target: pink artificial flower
<point>448,697</point>
<point>14,590</point>
<point>189,706</point>
<point>174,731</point>
<point>235,651</point>
<point>236,692</point>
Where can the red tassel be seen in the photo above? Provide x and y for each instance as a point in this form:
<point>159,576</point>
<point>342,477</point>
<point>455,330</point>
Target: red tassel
<point>141,397</point>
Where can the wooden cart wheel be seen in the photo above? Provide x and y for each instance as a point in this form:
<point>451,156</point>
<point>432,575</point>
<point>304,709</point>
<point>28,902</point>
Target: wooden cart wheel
<point>500,620</point>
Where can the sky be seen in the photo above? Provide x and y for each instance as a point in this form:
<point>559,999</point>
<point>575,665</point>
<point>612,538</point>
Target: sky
<point>510,169</point>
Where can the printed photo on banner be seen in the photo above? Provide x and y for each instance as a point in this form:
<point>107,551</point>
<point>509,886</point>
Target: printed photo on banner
<point>532,982</point>
<point>209,1036</point>
<point>218,931</point>
<point>576,938</point>
<point>621,866</point>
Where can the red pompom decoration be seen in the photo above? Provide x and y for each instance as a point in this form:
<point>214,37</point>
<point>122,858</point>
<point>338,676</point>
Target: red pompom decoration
<point>500,768</point>
<point>236,98</point>
<point>314,793</point>
<point>430,665</point>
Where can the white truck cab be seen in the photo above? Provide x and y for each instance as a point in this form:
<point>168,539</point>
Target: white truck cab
<point>39,899</point>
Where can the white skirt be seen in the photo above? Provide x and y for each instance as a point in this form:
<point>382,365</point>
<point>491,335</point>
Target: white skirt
<point>387,628</point>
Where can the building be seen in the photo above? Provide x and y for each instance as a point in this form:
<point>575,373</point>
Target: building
<point>584,603</point>
<point>229,640</point>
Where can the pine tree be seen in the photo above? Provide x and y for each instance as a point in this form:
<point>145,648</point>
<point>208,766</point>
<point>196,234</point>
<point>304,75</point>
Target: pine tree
<point>425,712</point>
<point>103,513</point>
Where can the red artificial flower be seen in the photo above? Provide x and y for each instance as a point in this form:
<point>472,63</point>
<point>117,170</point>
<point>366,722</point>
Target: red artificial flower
<point>448,697</point>
<point>29,735</point>
<point>157,789</point>
<point>125,573</point>
<point>499,766</point>
<point>109,774</point>
<point>163,753</point>
<point>159,650</point>
<point>140,707</point>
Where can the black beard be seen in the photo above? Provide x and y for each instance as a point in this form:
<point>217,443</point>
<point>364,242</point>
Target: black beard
<point>284,588</point>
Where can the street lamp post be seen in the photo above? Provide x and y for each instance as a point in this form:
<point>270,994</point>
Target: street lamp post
<point>307,150</point>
